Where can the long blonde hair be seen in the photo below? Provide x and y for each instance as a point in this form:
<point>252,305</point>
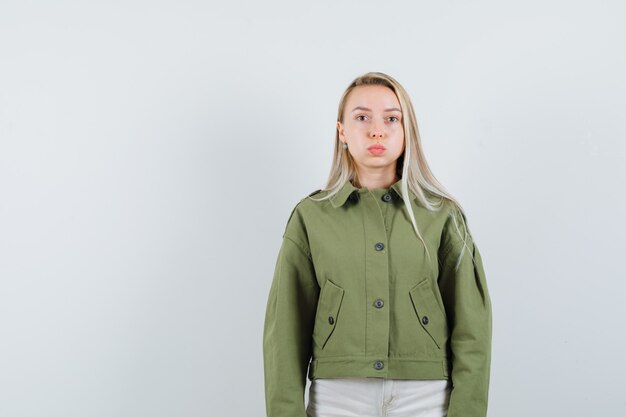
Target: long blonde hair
<point>411,165</point>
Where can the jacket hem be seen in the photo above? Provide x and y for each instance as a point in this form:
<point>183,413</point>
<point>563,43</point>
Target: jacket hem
<point>393,368</point>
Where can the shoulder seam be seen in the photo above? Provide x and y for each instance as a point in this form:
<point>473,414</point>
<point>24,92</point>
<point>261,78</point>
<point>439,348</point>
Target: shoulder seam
<point>300,246</point>
<point>470,239</point>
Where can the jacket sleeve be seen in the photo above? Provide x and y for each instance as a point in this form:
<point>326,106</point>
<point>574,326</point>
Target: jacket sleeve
<point>288,328</point>
<point>467,302</point>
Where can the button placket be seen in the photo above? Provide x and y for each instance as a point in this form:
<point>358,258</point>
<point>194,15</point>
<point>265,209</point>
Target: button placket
<point>376,276</point>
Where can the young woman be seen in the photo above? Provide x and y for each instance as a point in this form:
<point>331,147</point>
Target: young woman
<point>379,291</point>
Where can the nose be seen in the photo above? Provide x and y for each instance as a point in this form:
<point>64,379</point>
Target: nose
<point>376,132</point>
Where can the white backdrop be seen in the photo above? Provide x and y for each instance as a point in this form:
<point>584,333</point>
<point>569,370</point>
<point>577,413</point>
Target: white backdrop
<point>151,152</point>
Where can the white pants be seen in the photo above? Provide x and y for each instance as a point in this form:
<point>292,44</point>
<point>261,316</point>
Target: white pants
<point>378,397</point>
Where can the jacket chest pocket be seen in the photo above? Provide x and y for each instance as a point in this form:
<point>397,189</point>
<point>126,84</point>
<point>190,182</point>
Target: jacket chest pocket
<point>430,315</point>
<point>328,307</point>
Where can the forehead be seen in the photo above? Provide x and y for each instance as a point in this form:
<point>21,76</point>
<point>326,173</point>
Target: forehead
<point>372,96</point>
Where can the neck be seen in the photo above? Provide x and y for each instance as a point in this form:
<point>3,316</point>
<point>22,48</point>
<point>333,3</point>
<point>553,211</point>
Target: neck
<point>371,180</point>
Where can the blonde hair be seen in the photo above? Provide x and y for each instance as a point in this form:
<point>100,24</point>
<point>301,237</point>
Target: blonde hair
<point>411,166</point>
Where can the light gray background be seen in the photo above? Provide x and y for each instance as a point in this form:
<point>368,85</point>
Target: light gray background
<point>151,152</point>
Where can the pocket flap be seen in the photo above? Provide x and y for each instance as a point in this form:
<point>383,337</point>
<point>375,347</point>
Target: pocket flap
<point>327,314</point>
<point>429,313</point>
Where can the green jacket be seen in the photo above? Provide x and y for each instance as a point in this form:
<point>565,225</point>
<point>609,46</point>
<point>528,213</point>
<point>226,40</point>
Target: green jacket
<point>355,295</point>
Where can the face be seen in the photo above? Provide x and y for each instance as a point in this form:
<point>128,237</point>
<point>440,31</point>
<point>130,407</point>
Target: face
<point>372,127</point>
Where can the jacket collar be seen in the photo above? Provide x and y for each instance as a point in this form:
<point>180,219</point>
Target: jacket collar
<point>349,191</point>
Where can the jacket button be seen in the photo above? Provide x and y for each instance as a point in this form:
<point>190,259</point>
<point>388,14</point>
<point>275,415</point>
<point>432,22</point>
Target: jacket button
<point>425,319</point>
<point>331,320</point>
<point>379,365</point>
<point>354,196</point>
<point>379,246</point>
<point>386,197</point>
<point>379,303</point>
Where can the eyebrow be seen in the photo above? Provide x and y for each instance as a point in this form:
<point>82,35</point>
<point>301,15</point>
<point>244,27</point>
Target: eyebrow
<point>366,109</point>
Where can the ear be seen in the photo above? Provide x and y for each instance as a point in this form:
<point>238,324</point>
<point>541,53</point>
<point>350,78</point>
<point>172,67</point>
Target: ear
<point>342,134</point>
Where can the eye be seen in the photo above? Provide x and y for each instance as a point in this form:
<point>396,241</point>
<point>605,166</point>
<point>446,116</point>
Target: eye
<point>393,119</point>
<point>361,117</point>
